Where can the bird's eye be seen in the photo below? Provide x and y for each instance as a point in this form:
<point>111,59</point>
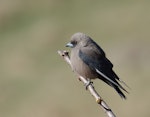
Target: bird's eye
<point>74,42</point>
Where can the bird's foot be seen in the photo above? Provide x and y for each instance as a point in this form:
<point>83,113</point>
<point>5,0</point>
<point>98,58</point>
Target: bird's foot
<point>88,83</point>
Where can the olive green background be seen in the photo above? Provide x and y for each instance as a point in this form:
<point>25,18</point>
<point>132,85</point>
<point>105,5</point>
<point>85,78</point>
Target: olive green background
<point>34,79</point>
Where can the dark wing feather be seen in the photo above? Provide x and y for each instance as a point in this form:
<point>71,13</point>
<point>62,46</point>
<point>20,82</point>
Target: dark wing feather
<point>100,64</point>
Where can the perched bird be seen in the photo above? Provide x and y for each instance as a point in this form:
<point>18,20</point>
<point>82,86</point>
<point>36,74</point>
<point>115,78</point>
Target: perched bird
<point>89,61</point>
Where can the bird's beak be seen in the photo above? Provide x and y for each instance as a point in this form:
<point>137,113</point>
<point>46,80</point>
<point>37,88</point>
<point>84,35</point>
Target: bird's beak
<point>69,45</point>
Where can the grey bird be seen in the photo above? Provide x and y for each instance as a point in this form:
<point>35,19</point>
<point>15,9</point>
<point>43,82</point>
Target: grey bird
<point>89,61</point>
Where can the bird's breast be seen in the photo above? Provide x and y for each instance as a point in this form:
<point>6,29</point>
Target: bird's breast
<point>80,67</point>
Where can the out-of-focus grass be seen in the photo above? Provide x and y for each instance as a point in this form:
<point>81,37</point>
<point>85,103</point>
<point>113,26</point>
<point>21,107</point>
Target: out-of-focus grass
<point>35,81</point>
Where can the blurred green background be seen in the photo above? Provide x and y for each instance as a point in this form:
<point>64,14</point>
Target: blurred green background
<point>36,82</point>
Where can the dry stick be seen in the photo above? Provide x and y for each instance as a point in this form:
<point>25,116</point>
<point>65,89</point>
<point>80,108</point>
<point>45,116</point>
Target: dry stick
<point>91,88</point>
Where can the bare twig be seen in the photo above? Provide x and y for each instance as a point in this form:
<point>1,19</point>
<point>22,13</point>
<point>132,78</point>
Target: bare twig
<point>91,88</point>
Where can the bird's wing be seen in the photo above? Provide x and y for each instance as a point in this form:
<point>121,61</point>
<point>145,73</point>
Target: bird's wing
<point>98,63</point>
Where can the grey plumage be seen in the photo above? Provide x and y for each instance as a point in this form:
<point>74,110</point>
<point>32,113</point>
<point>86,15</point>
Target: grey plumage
<point>89,60</point>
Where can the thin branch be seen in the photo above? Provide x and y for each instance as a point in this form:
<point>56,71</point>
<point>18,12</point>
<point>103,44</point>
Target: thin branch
<point>90,87</point>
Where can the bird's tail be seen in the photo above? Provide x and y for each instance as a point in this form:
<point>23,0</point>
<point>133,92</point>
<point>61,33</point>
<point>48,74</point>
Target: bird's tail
<point>119,92</point>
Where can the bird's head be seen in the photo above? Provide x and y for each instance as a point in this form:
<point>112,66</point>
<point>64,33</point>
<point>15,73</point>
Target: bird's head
<point>78,40</point>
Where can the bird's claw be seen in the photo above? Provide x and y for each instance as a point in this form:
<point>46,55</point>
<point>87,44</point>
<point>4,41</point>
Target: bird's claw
<point>87,84</point>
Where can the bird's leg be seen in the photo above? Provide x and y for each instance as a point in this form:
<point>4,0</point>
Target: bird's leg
<point>88,83</point>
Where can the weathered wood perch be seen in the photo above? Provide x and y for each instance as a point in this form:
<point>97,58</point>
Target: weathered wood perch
<point>90,87</point>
